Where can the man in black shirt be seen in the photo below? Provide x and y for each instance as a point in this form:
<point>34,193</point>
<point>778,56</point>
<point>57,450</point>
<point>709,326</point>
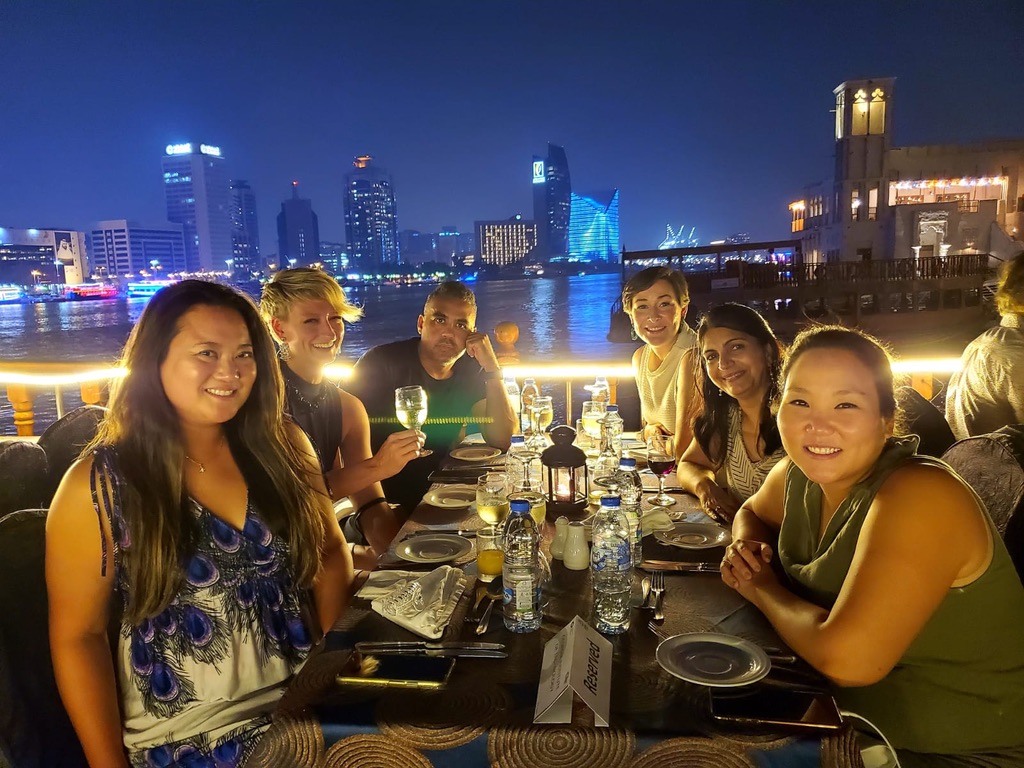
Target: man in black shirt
<point>462,390</point>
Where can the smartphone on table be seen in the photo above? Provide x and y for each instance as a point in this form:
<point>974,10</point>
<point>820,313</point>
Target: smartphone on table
<point>392,671</point>
<point>811,711</point>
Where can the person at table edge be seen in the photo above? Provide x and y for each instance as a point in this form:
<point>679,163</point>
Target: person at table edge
<point>897,586</point>
<point>306,311</point>
<point>456,366</point>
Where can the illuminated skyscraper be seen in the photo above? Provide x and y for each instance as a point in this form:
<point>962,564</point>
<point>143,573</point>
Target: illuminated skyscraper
<point>298,232</point>
<point>594,226</point>
<point>199,198</point>
<point>371,226</point>
<point>503,243</point>
<point>552,204</point>
<point>245,227</point>
<point>121,247</point>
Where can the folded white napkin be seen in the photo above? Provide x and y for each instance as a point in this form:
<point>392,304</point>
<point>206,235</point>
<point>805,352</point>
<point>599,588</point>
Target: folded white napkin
<point>656,519</point>
<point>383,583</point>
<point>424,605</point>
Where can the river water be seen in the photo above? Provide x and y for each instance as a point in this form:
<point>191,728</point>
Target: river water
<point>559,319</point>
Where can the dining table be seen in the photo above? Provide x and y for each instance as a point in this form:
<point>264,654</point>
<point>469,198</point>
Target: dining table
<point>484,716</point>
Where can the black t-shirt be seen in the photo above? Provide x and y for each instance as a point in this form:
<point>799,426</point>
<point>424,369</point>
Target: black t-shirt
<point>317,409</point>
<point>376,376</point>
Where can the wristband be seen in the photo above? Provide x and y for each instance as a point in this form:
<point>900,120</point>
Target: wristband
<point>492,375</point>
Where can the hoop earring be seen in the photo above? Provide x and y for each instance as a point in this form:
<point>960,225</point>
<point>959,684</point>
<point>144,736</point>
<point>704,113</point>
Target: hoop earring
<point>632,333</point>
<point>283,352</point>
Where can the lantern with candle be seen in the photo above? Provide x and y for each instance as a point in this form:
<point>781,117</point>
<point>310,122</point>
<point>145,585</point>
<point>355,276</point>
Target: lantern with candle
<point>567,479</point>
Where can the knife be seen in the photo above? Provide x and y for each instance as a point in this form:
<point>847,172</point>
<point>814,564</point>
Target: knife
<point>672,565</point>
<point>374,646</point>
<point>464,532</point>
<point>462,653</point>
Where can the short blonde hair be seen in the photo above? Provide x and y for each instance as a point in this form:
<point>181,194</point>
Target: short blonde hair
<point>304,284</point>
<point>1010,294</point>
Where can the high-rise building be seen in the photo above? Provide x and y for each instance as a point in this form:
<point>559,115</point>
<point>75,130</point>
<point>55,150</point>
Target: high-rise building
<point>594,226</point>
<point>245,230</point>
<point>298,232</point>
<point>552,203</point>
<point>199,198</point>
<point>503,243</point>
<point>417,247</point>
<point>334,257</point>
<point>371,225</point>
<point>29,256</point>
<point>121,247</point>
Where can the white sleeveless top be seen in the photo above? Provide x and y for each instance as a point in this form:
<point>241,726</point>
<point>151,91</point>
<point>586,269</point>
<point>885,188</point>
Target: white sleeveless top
<point>742,475</point>
<point>657,388</point>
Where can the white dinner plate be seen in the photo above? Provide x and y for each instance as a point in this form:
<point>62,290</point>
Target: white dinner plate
<point>475,453</point>
<point>709,658</point>
<point>695,536</point>
<point>451,496</point>
<point>433,548</point>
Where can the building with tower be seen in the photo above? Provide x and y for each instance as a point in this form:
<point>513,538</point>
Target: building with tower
<point>198,195</point>
<point>885,202</point>
<point>594,226</point>
<point>552,203</point>
<point>298,232</point>
<point>245,229</point>
<point>371,224</point>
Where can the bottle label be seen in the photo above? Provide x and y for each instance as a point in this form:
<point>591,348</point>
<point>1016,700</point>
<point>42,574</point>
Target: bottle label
<point>613,555</point>
<point>524,595</point>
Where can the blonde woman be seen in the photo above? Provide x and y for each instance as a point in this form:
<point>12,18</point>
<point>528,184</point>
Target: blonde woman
<point>306,311</point>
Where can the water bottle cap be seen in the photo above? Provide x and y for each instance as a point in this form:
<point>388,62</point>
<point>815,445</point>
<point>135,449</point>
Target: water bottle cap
<point>610,501</point>
<point>529,381</point>
<point>519,505</point>
<point>625,461</point>
<point>516,439</point>
<point>612,409</point>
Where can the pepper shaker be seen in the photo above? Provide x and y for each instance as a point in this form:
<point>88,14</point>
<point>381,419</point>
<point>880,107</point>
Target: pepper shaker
<point>561,533</point>
<point>576,555</point>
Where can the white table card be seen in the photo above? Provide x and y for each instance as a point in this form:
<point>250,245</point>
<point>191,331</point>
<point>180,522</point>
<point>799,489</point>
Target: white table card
<point>578,660</point>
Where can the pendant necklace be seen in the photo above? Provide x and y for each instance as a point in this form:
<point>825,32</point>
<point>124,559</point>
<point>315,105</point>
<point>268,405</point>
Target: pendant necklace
<point>199,464</point>
<point>313,404</point>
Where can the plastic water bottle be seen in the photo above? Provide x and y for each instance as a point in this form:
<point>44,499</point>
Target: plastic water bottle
<point>512,388</point>
<point>529,392</point>
<point>520,572</point>
<point>611,565</point>
<point>630,488</point>
<point>516,466</point>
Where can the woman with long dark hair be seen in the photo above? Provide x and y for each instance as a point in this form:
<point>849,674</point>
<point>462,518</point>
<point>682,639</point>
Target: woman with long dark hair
<point>897,586</point>
<point>198,523</point>
<point>735,439</point>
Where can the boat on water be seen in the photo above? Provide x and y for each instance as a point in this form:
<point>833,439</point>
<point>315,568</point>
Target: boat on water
<point>91,292</point>
<point>917,301</point>
<point>11,294</point>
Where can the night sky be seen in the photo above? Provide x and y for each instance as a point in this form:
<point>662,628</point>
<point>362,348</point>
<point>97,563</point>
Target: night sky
<point>712,114</point>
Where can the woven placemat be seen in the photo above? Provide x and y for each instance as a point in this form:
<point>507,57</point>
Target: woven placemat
<point>693,753</point>
<point>316,680</point>
<point>290,742</point>
<point>841,750</point>
<point>372,752</point>
<point>450,718</point>
<point>522,744</point>
<point>644,690</point>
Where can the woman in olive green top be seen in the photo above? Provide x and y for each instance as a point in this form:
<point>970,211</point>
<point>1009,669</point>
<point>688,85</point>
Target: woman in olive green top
<point>896,586</point>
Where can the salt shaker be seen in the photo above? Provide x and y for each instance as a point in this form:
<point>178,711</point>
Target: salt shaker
<point>576,555</point>
<point>561,532</point>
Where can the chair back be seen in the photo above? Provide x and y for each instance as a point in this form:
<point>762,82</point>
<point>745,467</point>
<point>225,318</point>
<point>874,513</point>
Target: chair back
<point>926,421</point>
<point>64,440</point>
<point>35,731</point>
<point>993,465</point>
<point>24,481</point>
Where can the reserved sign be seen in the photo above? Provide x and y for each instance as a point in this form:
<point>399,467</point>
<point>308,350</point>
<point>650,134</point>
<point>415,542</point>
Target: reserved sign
<point>578,659</point>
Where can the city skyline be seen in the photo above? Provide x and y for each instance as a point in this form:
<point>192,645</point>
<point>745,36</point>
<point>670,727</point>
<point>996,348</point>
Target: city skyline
<point>713,116</point>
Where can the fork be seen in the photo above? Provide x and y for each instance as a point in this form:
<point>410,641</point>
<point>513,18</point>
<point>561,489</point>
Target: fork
<point>659,632</point>
<point>658,592</point>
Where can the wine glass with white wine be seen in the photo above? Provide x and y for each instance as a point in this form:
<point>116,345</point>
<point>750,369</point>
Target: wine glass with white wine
<point>411,409</point>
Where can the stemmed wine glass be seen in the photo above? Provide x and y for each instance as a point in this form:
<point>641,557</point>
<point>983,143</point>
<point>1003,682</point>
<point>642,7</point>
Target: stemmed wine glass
<point>661,460</point>
<point>590,418</point>
<point>543,414</point>
<point>411,409</point>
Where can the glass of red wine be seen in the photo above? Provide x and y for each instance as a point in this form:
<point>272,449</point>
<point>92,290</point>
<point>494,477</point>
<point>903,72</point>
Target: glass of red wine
<point>661,460</point>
